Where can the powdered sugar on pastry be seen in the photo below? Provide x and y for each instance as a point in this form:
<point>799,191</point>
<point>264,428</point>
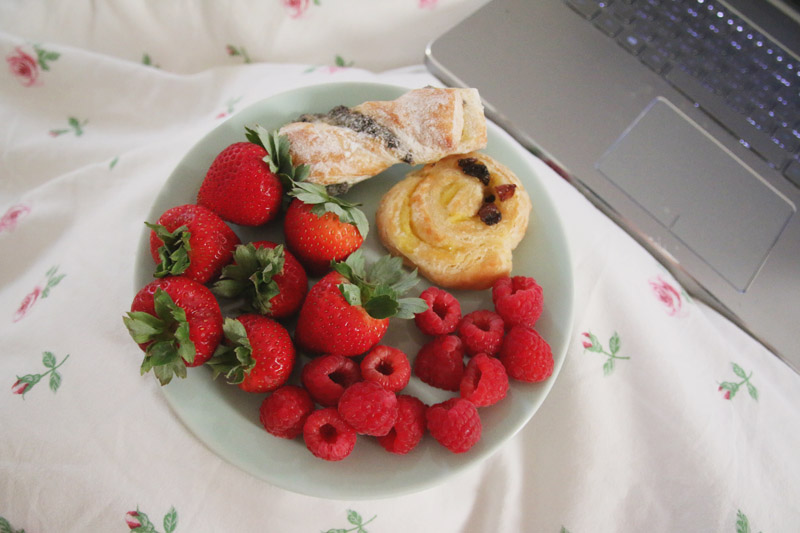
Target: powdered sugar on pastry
<point>457,220</point>
<point>348,145</point>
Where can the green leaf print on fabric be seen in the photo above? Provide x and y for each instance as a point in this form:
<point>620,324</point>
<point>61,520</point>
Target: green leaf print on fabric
<point>730,388</point>
<point>25,383</point>
<point>75,127</point>
<point>140,522</point>
<point>5,527</point>
<point>592,344</point>
<point>238,51</point>
<point>742,523</point>
<point>355,519</point>
<point>148,61</point>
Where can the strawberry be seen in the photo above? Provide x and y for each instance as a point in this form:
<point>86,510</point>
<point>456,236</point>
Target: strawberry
<point>268,276</point>
<point>191,241</point>
<point>257,355</point>
<point>240,187</point>
<point>320,228</point>
<point>178,324</point>
<point>347,312</point>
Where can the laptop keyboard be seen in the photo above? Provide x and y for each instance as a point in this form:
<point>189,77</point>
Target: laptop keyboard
<point>735,73</point>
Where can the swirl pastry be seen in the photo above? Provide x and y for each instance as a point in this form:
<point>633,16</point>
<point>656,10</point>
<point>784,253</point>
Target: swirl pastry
<point>348,145</point>
<point>457,221</point>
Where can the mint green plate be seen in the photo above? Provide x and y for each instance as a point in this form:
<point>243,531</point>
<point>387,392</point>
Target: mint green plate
<point>226,419</point>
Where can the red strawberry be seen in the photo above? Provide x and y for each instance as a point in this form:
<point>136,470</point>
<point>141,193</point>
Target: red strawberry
<point>347,312</point>
<point>272,281</point>
<point>320,228</point>
<point>240,187</point>
<point>177,322</point>
<point>258,354</point>
<point>191,241</point>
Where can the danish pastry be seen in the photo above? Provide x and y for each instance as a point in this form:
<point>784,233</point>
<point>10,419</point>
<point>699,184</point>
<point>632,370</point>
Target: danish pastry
<point>457,221</point>
<point>348,145</point>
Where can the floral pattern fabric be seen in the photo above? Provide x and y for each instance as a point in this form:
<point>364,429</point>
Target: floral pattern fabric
<point>658,397</point>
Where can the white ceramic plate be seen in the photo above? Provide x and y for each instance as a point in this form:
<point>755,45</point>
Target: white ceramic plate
<point>226,419</point>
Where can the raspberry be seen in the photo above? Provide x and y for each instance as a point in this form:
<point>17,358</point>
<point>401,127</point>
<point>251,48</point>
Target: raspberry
<point>386,366</point>
<point>526,355</point>
<point>284,412</point>
<point>485,381</point>
<point>409,428</point>
<point>327,435</point>
<point>455,424</point>
<point>482,332</point>
<point>327,377</point>
<point>440,362</point>
<point>368,408</point>
<point>519,300</point>
<point>442,315</point>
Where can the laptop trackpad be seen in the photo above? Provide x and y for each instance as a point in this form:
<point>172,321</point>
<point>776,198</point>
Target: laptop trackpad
<point>711,201</point>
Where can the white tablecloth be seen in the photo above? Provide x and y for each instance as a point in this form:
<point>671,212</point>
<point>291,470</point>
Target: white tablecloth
<point>665,417</point>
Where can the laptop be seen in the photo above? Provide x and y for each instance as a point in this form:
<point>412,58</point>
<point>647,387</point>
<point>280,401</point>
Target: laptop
<point>680,119</point>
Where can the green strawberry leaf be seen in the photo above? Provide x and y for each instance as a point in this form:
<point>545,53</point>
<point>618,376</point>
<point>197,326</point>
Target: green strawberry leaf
<point>174,254</point>
<point>410,306</point>
<point>378,288</point>
<point>351,293</point>
<point>170,345</point>
<point>234,358</point>
<point>322,202</point>
<point>252,275</point>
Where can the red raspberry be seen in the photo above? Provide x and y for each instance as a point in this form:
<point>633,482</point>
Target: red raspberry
<point>409,428</point>
<point>284,412</point>
<point>455,424</point>
<point>485,381</point>
<point>526,355</point>
<point>442,315</point>
<point>368,408</point>
<point>327,376</point>
<point>440,362</point>
<point>519,300</point>
<point>482,332</point>
<point>327,435</point>
<point>386,366</point>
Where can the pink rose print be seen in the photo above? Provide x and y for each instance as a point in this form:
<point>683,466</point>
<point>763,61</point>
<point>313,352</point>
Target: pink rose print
<point>430,4</point>
<point>132,520</point>
<point>238,51</point>
<point>53,279</point>
<point>9,220</point>
<point>23,67</point>
<point>139,521</point>
<point>19,387</point>
<point>668,295</point>
<point>592,344</point>
<point>26,68</point>
<point>27,303</point>
<point>297,7</point>
<point>25,383</point>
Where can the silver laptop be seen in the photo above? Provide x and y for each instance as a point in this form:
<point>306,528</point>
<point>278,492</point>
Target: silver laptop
<point>680,119</point>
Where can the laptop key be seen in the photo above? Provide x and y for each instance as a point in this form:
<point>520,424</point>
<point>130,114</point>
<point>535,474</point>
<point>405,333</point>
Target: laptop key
<point>632,42</point>
<point>608,25</point>
<point>654,59</point>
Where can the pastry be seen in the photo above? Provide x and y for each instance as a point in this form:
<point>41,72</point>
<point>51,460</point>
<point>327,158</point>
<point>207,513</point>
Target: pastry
<point>348,145</point>
<point>457,221</point>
